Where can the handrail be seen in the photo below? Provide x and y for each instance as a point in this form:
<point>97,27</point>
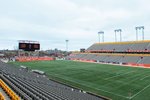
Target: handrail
<point>2,97</point>
<point>11,94</point>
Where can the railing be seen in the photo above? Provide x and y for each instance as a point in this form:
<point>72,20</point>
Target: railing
<point>2,97</point>
<point>10,93</point>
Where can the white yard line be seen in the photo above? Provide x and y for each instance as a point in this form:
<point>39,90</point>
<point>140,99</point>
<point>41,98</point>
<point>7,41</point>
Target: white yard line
<point>119,75</point>
<point>145,77</point>
<point>130,81</point>
<point>123,83</point>
<point>112,93</point>
<point>139,91</point>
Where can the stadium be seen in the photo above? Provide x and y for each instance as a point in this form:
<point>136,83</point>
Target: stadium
<point>74,50</point>
<point>104,71</point>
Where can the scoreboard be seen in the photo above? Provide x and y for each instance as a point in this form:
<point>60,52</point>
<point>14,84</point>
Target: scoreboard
<point>82,50</point>
<point>29,46</point>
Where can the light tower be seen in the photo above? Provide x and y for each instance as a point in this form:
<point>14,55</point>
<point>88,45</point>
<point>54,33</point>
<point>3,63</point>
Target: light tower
<point>120,34</point>
<point>67,45</point>
<point>120,31</point>
<point>115,35</point>
<point>137,30</point>
<point>142,27</point>
<point>101,33</point>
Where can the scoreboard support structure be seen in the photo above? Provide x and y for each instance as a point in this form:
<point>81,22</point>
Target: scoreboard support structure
<point>28,47</point>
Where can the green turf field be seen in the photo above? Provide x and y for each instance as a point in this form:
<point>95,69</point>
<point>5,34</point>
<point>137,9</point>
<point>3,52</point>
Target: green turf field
<point>115,82</point>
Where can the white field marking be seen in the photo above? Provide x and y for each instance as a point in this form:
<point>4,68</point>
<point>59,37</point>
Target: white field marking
<point>119,75</point>
<point>120,72</point>
<point>128,83</point>
<point>112,93</point>
<point>136,78</point>
<point>139,91</point>
<point>145,77</point>
<point>122,85</point>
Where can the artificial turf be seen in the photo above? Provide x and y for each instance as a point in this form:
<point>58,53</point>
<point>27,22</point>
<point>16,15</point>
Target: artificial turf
<point>112,81</point>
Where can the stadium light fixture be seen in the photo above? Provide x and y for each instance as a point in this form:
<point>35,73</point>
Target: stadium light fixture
<point>142,27</point>
<point>115,36</point>
<point>138,29</point>
<point>99,37</point>
<point>101,33</point>
<point>120,31</point>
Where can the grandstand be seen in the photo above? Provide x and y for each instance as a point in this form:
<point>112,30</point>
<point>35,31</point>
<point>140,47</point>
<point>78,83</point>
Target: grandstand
<point>21,84</point>
<point>123,47</point>
<point>134,53</point>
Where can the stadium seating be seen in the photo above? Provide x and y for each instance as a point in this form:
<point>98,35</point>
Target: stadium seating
<point>145,60</point>
<point>32,86</point>
<point>133,46</point>
<point>131,59</point>
<point>11,94</point>
<point>135,53</point>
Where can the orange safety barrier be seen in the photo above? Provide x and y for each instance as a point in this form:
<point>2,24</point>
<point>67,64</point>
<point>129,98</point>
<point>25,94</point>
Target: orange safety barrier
<point>141,65</point>
<point>132,64</point>
<point>11,94</point>
<point>2,97</point>
<point>144,65</point>
<point>26,59</point>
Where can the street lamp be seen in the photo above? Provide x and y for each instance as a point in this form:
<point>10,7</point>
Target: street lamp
<point>101,33</point>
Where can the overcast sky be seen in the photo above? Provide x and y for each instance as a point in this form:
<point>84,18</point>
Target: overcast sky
<point>51,22</point>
